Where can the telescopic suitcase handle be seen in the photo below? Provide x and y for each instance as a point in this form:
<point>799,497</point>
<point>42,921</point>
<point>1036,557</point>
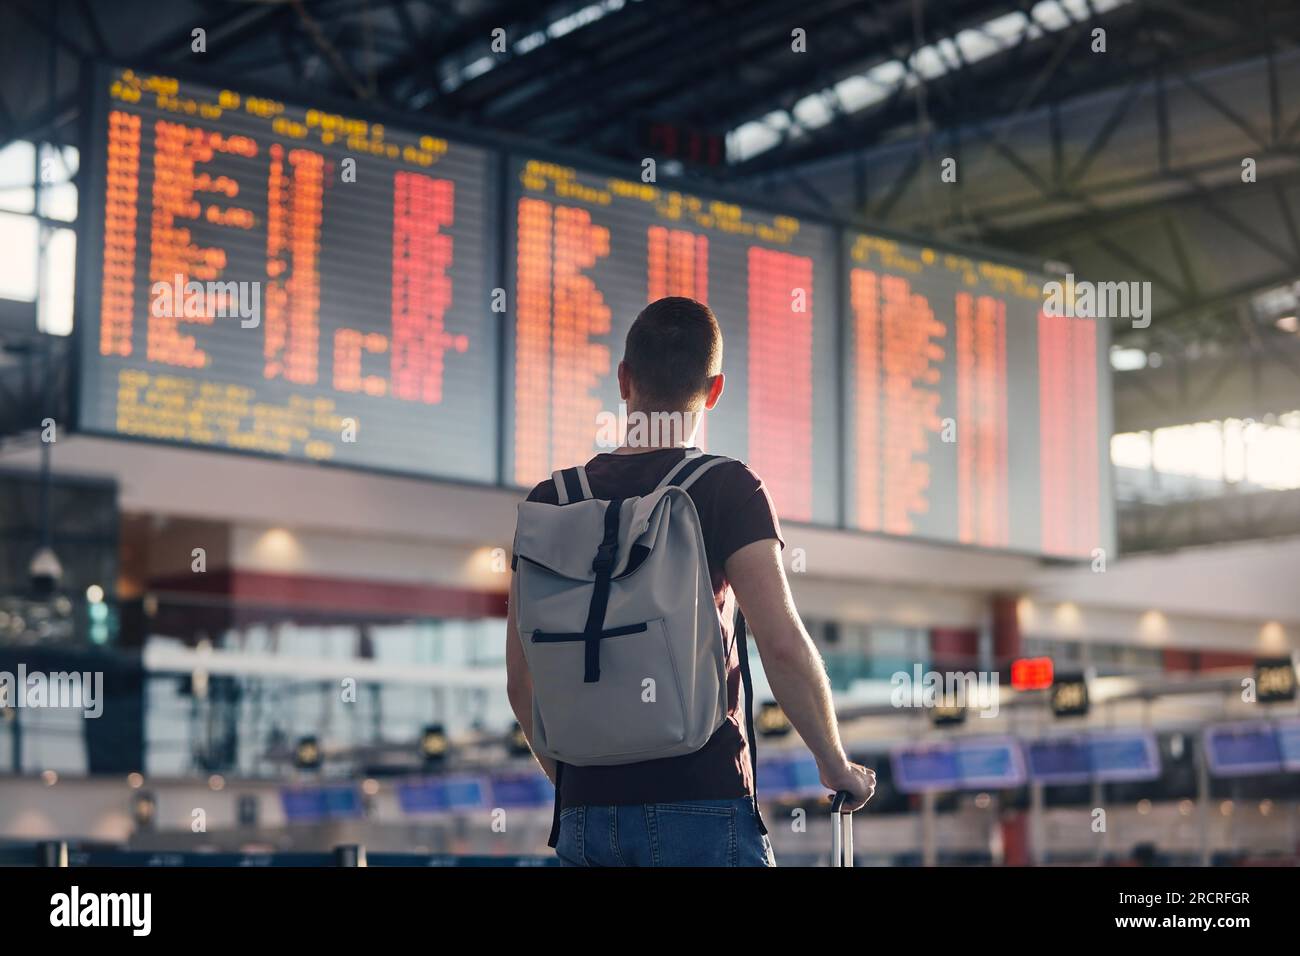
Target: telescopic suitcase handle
<point>841,830</point>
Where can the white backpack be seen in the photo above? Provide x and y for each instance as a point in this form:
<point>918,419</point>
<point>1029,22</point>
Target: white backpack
<point>618,623</point>
<point>615,610</point>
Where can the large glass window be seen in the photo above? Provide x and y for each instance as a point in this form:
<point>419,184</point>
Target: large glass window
<point>39,263</point>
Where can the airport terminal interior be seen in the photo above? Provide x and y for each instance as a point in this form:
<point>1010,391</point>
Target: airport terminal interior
<point>299,299</point>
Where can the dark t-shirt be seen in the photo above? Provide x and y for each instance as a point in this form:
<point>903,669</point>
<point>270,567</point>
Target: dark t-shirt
<point>735,510</point>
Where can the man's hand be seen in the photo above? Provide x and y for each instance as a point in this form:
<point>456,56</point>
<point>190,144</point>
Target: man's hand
<point>858,780</point>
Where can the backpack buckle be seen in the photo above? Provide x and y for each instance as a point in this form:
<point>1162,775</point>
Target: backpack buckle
<point>604,557</point>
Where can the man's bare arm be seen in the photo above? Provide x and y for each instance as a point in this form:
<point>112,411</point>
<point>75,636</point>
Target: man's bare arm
<point>792,664</point>
<point>519,685</point>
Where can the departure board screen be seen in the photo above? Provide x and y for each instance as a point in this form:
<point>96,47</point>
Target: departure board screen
<point>971,415</point>
<point>589,251</point>
<point>284,279</point>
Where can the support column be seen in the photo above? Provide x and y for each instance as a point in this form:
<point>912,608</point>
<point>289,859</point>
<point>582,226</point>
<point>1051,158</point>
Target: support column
<point>1006,629</point>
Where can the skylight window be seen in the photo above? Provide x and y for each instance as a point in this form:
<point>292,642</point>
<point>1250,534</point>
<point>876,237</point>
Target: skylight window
<point>560,27</point>
<point>863,90</point>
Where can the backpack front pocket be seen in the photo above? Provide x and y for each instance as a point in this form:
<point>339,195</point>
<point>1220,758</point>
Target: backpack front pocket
<point>635,706</point>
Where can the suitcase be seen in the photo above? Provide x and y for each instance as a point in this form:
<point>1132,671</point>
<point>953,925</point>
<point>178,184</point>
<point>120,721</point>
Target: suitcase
<point>841,831</point>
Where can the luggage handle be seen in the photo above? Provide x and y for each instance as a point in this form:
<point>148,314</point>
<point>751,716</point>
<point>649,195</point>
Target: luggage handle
<point>841,830</point>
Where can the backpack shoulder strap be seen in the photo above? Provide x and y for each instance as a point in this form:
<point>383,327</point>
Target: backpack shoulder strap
<point>571,485</point>
<point>690,468</point>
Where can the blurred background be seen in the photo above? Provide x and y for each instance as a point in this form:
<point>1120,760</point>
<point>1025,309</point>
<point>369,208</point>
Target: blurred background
<point>296,656</point>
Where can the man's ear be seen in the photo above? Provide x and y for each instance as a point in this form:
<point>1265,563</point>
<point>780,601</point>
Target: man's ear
<point>715,390</point>
<point>624,382</point>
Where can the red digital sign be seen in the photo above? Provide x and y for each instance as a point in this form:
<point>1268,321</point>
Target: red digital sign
<point>1031,673</point>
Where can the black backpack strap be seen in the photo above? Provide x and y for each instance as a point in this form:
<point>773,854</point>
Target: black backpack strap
<point>742,645</point>
<point>603,566</point>
<point>554,838</point>
<point>683,473</point>
<point>696,468</point>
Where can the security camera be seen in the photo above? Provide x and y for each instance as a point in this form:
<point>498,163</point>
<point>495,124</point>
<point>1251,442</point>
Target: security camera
<point>45,572</point>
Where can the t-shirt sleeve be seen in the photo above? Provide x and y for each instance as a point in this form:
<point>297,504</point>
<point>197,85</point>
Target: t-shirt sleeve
<point>544,492</point>
<point>743,513</point>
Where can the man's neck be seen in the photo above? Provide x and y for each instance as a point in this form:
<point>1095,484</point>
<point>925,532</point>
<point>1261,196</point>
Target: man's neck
<point>652,439</point>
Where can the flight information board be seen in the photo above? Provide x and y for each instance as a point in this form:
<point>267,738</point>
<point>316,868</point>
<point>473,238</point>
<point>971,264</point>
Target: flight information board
<point>589,251</point>
<point>262,276</point>
<point>282,279</point>
<point>971,415</point>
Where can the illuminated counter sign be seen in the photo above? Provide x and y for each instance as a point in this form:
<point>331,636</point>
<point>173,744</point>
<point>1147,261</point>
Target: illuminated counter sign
<point>307,754</point>
<point>982,764</point>
<point>269,277</point>
<point>1107,756</point>
<point>1275,680</point>
<point>1288,742</point>
<point>917,769</point>
<point>312,804</point>
<point>1121,756</point>
<point>772,721</point>
<point>1060,761</point>
<point>522,790</point>
<point>947,714</point>
<point>517,742</point>
<point>1243,750</point>
<point>990,764</point>
<point>442,794</point>
<point>590,251</point>
<point>790,775</point>
<point>1069,695</point>
<point>970,415</point>
<point>434,745</point>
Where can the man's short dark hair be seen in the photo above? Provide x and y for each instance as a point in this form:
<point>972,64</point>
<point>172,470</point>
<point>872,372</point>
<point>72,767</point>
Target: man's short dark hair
<point>673,349</point>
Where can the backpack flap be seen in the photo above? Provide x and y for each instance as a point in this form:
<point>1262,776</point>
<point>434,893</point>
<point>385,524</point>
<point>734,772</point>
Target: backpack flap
<point>562,539</point>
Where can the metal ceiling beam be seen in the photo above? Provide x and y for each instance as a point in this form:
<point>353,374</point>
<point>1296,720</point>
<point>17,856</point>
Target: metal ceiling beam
<point>889,36</point>
<point>1153,37</point>
<point>682,91</point>
<point>440,42</point>
<point>571,75</point>
<point>1000,79</point>
<point>47,26</point>
<point>1240,516</point>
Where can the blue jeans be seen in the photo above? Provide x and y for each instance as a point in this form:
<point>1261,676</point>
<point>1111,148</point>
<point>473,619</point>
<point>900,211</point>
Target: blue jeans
<point>688,833</point>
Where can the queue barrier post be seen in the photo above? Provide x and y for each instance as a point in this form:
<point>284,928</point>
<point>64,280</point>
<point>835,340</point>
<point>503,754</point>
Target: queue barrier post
<point>350,854</point>
<point>52,853</point>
